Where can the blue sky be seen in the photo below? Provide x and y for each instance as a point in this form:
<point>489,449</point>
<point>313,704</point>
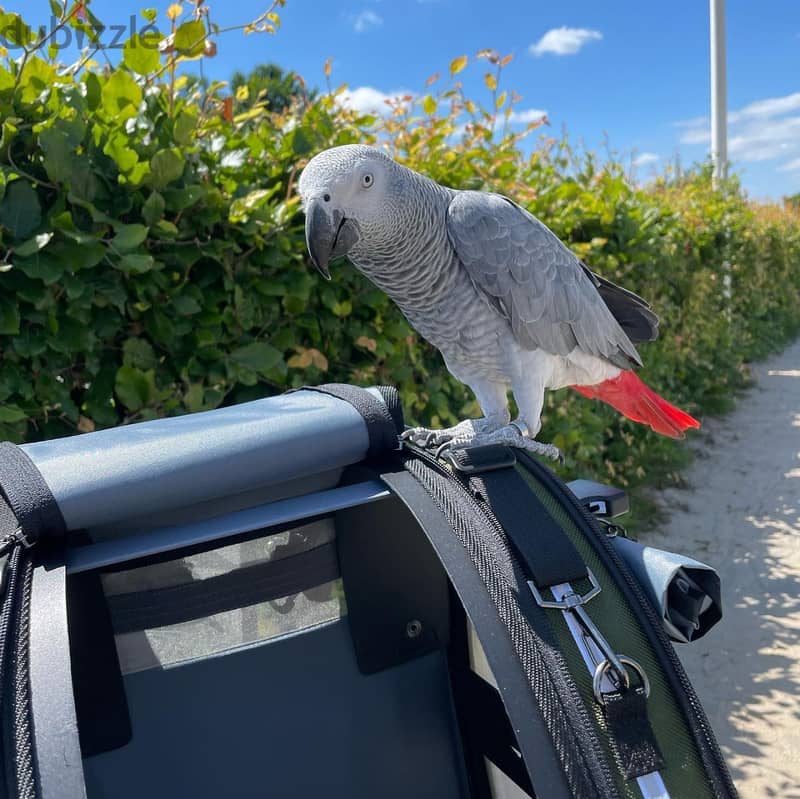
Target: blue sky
<point>630,72</point>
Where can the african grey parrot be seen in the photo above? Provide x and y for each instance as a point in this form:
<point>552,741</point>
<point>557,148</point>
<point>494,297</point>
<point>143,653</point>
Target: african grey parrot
<point>494,290</point>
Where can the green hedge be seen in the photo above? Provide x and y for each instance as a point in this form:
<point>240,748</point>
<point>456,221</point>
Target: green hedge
<point>152,259</point>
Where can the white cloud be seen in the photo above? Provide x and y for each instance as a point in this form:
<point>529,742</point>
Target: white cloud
<point>765,109</point>
<point>564,41</point>
<point>526,116</point>
<point>691,123</point>
<point>370,101</point>
<point>367,20</point>
<point>760,131</point>
<point>791,166</point>
<point>643,159</point>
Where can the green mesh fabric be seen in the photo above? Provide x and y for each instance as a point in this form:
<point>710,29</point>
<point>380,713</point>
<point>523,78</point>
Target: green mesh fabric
<point>683,774</point>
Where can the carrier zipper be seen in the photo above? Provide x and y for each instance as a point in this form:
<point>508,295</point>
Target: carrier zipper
<point>698,721</point>
<point>489,516</point>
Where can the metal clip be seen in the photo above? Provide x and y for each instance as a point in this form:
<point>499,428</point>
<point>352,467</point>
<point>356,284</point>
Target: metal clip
<point>573,602</point>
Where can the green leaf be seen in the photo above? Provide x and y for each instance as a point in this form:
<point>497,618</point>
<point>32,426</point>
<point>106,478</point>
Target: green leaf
<point>58,154</point>
<point>116,148</point>
<point>136,264</point>
<point>185,128</point>
<point>149,14</point>
<point>14,29</point>
<point>194,397</point>
<point>186,305</point>
<point>41,266</point>
<point>139,353</point>
<point>429,105</point>
<point>141,54</point>
<point>128,237</point>
<point>9,317</point>
<point>242,207</point>
<point>258,356</point>
<point>37,76</point>
<point>33,245</point>
<point>165,166</point>
<point>181,199</point>
<point>121,96</point>
<point>11,413</point>
<point>190,38</point>
<point>20,210</point>
<point>301,143</point>
<point>153,209</point>
<point>135,388</point>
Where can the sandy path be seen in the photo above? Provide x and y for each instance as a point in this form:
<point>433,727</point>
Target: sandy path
<point>743,516</point>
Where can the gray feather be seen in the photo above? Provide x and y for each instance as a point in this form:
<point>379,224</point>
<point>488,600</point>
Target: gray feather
<point>552,301</point>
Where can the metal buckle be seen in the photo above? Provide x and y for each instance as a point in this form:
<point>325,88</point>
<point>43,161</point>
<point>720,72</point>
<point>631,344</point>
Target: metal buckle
<point>570,601</point>
<point>605,665</point>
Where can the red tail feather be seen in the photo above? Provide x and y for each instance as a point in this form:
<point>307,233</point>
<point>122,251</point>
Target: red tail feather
<point>631,397</point>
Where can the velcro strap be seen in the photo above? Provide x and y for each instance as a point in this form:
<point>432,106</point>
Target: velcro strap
<point>547,554</point>
<point>383,425</point>
<point>633,737</point>
<point>28,495</point>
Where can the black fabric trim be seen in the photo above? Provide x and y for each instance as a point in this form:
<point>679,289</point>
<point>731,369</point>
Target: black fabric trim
<point>381,423</point>
<point>250,585</point>
<point>489,726</point>
<point>543,547</point>
<point>101,704</point>
<point>631,733</point>
<point>28,495</point>
<point>561,752</point>
<point>391,396</point>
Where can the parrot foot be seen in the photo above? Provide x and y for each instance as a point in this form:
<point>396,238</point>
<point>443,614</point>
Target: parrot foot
<point>468,429</point>
<point>509,435</point>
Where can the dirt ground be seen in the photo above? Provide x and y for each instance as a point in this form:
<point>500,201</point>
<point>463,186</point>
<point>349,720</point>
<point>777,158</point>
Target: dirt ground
<point>742,515</point>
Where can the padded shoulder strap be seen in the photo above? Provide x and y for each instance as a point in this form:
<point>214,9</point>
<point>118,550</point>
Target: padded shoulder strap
<point>384,419</point>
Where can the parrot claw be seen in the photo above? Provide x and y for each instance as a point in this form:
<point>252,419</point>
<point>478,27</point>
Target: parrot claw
<point>480,433</point>
<point>510,435</point>
<point>467,430</point>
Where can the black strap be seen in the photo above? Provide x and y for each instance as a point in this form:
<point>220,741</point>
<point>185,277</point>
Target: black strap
<point>545,551</point>
<point>631,733</point>
<point>28,495</point>
<point>384,419</point>
<point>553,735</point>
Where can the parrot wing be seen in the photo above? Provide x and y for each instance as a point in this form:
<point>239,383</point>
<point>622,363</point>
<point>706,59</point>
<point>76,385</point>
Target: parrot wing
<point>552,302</point>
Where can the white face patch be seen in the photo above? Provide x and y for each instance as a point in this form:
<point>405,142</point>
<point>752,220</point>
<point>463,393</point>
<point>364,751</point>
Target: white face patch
<point>350,176</point>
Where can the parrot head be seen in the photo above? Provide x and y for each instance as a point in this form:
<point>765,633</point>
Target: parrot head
<point>346,195</point>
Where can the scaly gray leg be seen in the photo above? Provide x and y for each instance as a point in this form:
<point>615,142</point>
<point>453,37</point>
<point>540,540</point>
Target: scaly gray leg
<point>510,435</point>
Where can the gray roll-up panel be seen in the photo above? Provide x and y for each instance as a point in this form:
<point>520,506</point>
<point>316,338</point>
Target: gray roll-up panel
<point>107,476</point>
<point>686,593</point>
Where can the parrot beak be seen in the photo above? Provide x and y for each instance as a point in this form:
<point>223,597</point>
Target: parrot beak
<point>328,235</point>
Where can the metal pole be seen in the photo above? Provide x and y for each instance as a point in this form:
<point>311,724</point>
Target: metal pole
<point>719,93</point>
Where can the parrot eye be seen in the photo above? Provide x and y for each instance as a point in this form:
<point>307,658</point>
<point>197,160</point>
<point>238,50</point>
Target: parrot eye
<point>367,180</point>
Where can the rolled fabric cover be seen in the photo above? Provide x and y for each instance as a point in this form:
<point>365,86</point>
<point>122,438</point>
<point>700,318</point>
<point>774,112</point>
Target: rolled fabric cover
<point>686,592</point>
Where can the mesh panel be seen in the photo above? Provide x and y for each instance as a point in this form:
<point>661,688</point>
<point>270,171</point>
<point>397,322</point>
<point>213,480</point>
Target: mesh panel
<point>225,598</point>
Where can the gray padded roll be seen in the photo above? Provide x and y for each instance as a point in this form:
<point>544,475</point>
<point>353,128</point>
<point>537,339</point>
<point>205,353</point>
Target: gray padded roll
<point>107,476</point>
